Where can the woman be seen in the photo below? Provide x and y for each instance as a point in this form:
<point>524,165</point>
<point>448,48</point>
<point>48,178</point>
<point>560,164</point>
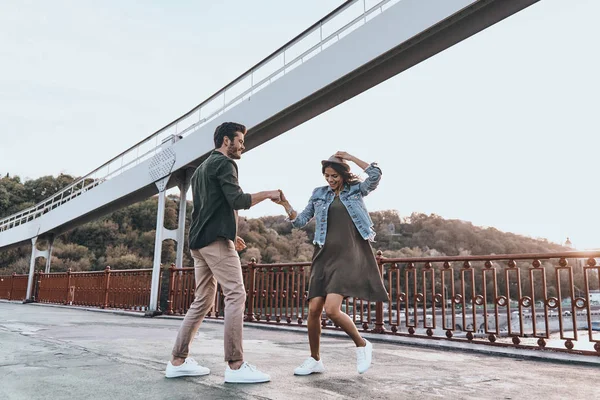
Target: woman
<point>343,263</point>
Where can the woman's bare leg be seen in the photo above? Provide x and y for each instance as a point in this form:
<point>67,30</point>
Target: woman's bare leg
<point>333,303</point>
<point>315,309</point>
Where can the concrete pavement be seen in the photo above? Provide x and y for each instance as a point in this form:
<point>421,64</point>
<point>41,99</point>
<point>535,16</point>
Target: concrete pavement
<point>56,353</point>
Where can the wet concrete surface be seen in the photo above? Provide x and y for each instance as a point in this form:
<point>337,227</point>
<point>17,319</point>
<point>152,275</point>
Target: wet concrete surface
<point>58,353</point>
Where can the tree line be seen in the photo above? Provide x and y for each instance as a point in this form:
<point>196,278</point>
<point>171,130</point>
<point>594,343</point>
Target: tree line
<point>125,238</point>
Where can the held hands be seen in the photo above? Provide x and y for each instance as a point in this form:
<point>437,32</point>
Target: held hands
<point>274,196</point>
<point>277,196</point>
<point>282,199</point>
<point>286,205</point>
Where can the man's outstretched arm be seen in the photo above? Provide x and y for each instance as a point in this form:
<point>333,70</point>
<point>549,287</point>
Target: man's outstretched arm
<point>235,196</point>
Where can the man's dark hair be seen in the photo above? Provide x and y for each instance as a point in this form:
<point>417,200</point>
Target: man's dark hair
<point>227,129</point>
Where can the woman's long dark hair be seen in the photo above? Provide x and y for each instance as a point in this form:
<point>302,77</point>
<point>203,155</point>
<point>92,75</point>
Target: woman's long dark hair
<point>348,177</point>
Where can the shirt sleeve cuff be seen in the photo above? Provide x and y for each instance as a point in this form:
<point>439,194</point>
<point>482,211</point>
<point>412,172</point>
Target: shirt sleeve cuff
<point>247,201</point>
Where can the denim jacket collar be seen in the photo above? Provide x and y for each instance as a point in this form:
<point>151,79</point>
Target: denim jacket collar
<point>345,189</point>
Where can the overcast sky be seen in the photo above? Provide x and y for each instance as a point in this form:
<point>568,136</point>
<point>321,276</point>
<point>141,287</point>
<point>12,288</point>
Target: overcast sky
<point>498,130</point>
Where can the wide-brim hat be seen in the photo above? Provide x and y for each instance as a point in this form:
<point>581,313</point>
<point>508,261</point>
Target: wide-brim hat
<point>336,160</point>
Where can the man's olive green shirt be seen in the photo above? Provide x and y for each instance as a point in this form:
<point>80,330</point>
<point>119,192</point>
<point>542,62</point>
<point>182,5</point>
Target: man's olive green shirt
<point>217,197</point>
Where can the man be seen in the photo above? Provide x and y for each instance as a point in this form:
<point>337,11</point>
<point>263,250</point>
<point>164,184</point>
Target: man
<point>217,197</point>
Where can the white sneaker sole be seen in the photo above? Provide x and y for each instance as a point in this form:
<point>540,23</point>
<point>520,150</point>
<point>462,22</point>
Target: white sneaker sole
<point>182,374</point>
<point>319,371</point>
<point>257,380</point>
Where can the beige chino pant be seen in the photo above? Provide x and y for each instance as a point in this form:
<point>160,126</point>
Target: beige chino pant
<point>217,262</point>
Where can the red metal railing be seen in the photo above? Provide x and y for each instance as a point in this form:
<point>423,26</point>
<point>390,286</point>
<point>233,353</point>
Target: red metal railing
<point>13,287</point>
<point>130,289</point>
<point>181,290</point>
<point>53,287</point>
<point>274,292</point>
<point>123,289</point>
<point>523,300</point>
<point>531,300</point>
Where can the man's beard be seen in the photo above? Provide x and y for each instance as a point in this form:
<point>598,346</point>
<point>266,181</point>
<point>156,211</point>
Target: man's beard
<point>232,152</point>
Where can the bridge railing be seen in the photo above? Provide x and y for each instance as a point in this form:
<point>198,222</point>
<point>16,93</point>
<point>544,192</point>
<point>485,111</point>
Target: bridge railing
<point>541,301</point>
<point>119,289</point>
<point>13,287</point>
<point>331,28</point>
<point>274,292</point>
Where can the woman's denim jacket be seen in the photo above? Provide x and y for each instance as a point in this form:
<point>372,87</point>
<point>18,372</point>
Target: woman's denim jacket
<point>351,196</point>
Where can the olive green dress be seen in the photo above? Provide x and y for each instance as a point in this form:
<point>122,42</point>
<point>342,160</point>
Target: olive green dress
<point>345,265</point>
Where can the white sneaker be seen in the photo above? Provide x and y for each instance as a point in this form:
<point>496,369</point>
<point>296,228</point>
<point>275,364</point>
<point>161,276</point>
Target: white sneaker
<point>246,374</point>
<point>189,368</point>
<point>310,366</point>
<point>364,356</point>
